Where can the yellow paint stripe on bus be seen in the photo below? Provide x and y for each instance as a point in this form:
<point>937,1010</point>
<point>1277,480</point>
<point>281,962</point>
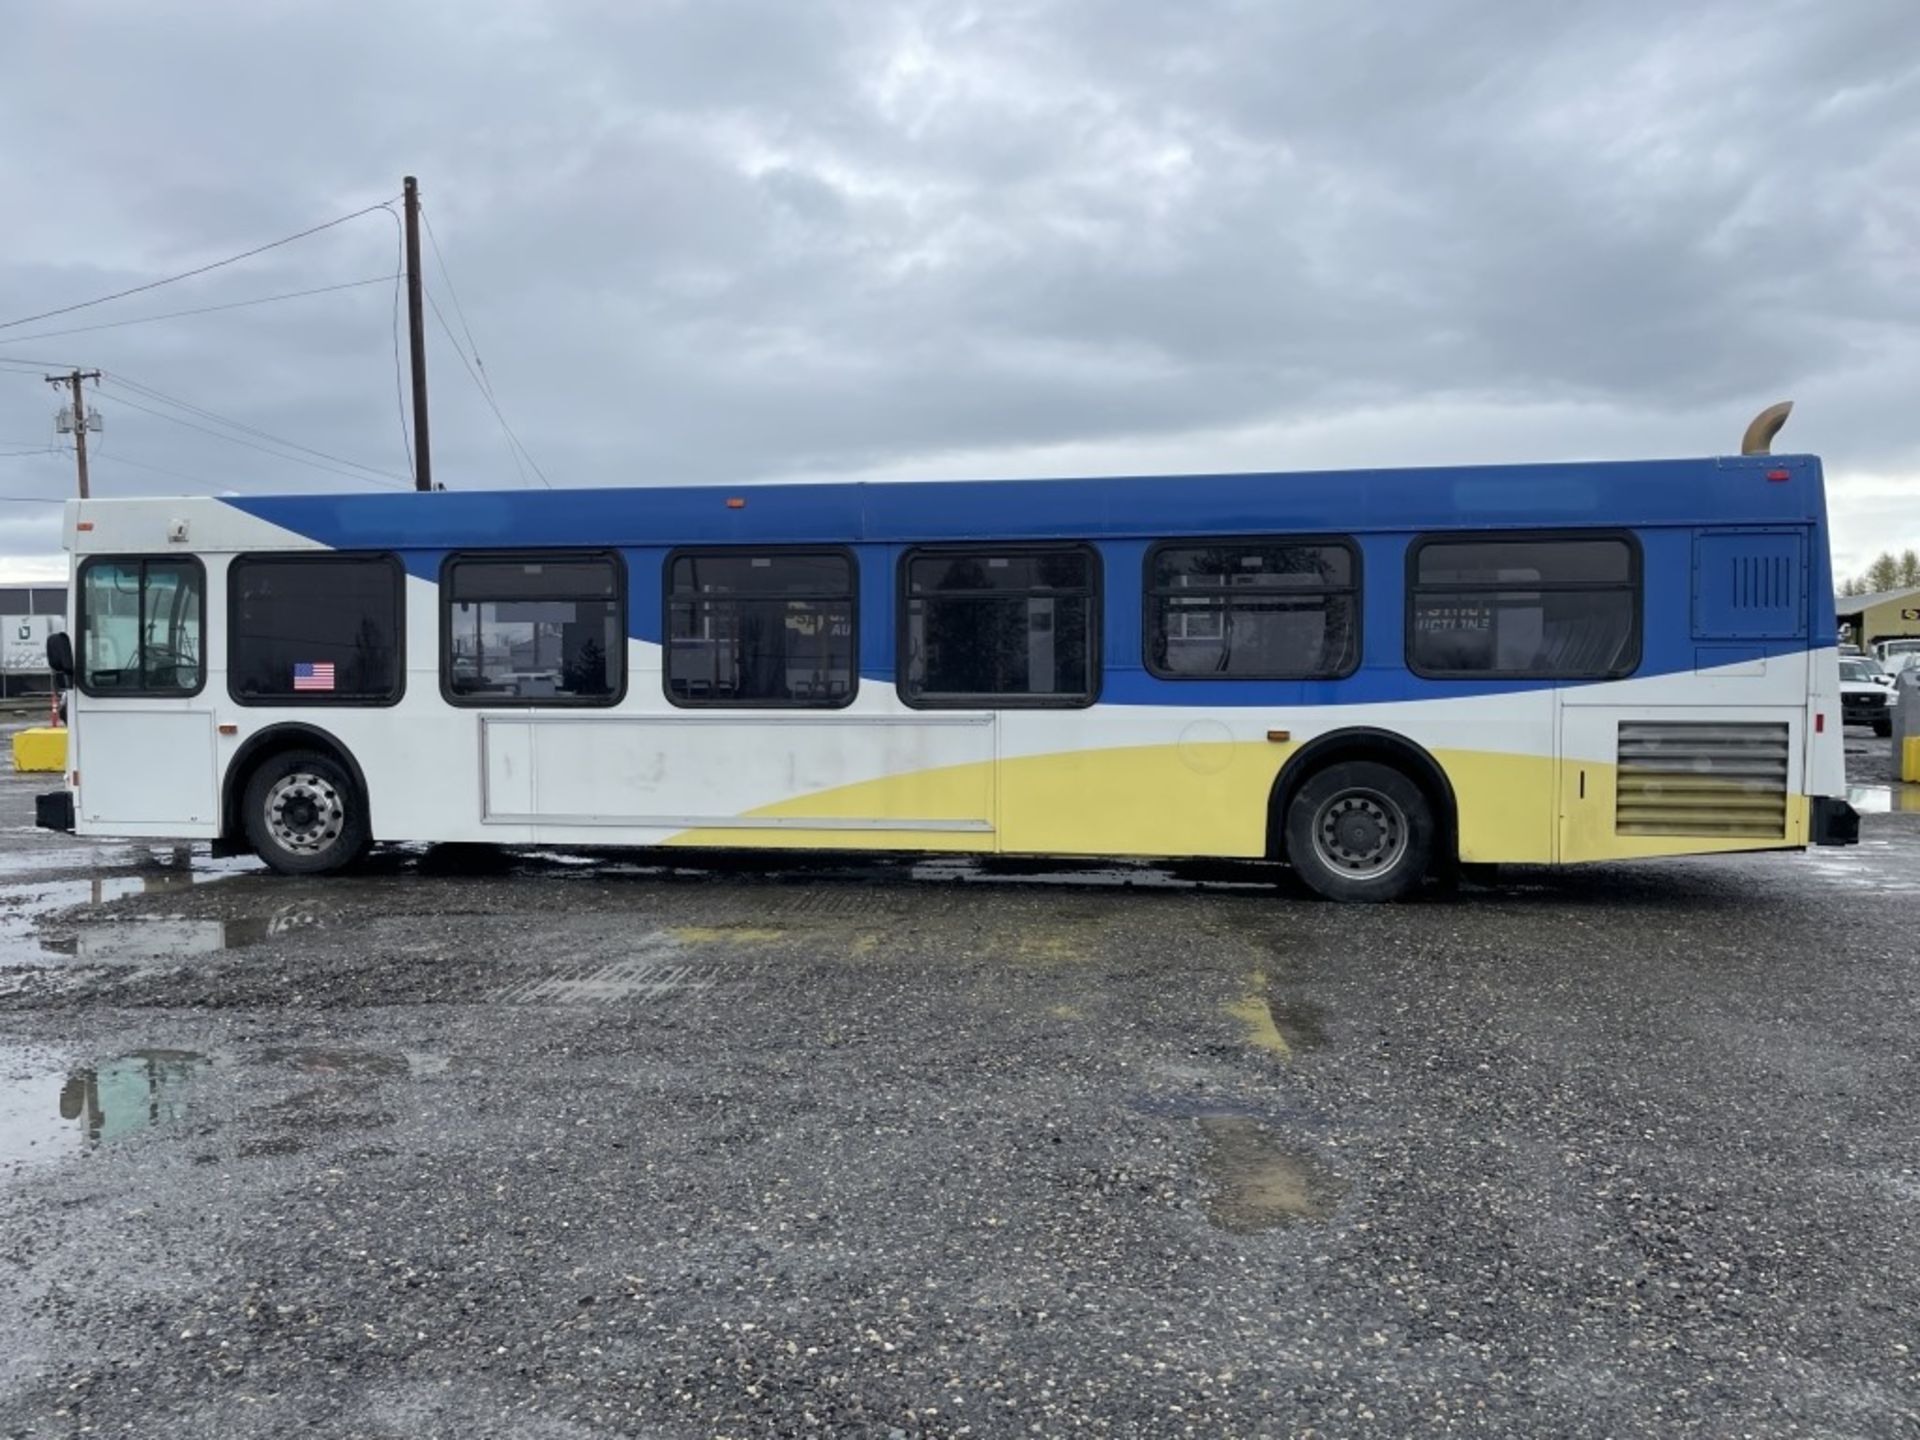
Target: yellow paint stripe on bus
<point>1128,800</point>
<point>1204,800</point>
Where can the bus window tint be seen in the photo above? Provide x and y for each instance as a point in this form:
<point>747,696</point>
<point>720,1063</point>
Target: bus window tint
<point>534,629</point>
<point>1560,609</point>
<point>1002,627</point>
<point>760,629</point>
<point>314,629</point>
<point>1276,610</point>
<point>141,623</point>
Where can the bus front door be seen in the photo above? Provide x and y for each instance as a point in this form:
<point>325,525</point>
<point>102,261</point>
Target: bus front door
<point>141,725</point>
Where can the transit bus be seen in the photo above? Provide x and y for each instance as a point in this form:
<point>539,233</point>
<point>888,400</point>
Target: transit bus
<point>1373,676</point>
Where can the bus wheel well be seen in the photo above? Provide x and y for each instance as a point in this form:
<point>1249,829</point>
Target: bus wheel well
<point>1364,743</point>
<point>261,747</point>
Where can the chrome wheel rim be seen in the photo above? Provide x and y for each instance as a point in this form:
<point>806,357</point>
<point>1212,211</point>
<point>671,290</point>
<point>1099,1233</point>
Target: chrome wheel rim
<point>1360,833</point>
<point>305,813</point>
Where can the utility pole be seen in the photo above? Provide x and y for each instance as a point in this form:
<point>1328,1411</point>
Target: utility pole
<point>80,419</point>
<point>417,337</point>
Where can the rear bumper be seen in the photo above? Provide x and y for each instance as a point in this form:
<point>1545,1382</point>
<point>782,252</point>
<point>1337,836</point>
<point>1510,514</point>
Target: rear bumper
<point>53,810</point>
<point>1833,822</point>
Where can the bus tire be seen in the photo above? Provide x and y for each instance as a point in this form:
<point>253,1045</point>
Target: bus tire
<point>304,815</point>
<point>1360,831</point>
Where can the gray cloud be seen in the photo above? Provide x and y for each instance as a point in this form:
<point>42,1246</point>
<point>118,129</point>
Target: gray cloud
<point>728,240</point>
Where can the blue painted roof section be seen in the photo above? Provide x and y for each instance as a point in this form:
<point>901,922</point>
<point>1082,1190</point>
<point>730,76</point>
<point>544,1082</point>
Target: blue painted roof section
<point>1732,490</point>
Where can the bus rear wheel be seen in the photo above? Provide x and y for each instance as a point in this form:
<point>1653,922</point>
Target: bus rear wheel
<point>1360,831</point>
<point>304,815</point>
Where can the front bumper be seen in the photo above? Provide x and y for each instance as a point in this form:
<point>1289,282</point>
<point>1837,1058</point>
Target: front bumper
<point>53,810</point>
<point>1834,822</point>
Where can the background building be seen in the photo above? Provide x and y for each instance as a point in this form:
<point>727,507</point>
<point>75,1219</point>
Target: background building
<point>28,614</point>
<point>1884,615</point>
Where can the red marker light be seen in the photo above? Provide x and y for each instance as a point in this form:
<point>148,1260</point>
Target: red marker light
<point>1819,723</point>
<point>1778,475</point>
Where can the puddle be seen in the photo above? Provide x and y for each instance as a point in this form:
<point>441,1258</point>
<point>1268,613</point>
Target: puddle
<point>24,903</point>
<point>1885,799</point>
<point>1259,1182</point>
<point>108,942</point>
<point>52,1111</point>
<point>327,1060</point>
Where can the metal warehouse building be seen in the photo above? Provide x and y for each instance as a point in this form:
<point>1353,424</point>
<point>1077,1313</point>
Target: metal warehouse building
<point>1887,615</point>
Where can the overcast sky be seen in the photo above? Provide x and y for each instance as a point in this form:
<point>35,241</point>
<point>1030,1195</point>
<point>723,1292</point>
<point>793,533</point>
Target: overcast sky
<point>745,239</point>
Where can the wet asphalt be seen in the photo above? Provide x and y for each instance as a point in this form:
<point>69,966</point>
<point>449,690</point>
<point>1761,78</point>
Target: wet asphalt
<point>560,1145</point>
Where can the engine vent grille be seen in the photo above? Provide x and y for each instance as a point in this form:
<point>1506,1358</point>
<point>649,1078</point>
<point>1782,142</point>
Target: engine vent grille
<point>1679,777</point>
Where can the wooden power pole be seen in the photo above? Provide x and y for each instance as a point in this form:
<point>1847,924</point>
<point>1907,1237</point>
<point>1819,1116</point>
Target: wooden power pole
<point>73,380</point>
<point>417,337</point>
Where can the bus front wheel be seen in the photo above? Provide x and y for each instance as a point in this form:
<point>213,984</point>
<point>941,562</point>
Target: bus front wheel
<point>304,815</point>
<point>1360,831</point>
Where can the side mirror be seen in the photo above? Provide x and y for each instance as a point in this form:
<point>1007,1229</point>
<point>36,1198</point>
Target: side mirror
<point>60,654</point>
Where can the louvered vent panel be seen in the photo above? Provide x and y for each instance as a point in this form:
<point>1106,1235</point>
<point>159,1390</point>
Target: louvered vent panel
<point>1749,585</point>
<point>1680,777</point>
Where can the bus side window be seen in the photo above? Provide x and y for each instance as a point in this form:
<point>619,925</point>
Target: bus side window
<point>1543,607</point>
<point>315,629</point>
<point>1001,626</point>
<point>545,627</point>
<point>761,627</point>
<point>141,623</point>
<point>1253,608</point>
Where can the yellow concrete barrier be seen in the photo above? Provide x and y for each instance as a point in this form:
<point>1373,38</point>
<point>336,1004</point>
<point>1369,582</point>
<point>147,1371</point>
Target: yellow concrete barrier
<point>40,748</point>
<point>1910,759</point>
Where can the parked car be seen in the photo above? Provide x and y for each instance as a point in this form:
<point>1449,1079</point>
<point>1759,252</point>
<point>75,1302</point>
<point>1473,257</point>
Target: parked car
<point>1897,665</point>
<point>1865,698</point>
<point>1875,671</point>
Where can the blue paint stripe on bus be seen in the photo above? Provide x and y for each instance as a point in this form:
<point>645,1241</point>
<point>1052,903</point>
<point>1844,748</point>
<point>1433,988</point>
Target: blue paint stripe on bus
<point>1661,501</point>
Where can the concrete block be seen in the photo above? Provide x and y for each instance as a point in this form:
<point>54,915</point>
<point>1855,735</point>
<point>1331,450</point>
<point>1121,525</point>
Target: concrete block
<point>42,748</point>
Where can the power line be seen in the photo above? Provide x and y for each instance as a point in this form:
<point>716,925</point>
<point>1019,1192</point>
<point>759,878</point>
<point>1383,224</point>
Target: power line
<point>252,445</point>
<point>177,475</point>
<point>479,366</point>
<point>200,310</point>
<point>454,295</point>
<point>486,394</point>
<point>117,459</point>
<point>122,383</point>
<point>189,274</point>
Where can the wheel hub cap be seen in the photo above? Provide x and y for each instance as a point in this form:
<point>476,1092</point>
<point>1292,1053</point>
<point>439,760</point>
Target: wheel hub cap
<point>305,813</point>
<point>1361,832</point>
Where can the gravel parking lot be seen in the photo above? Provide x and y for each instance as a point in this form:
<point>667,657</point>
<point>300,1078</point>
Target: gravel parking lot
<point>566,1146</point>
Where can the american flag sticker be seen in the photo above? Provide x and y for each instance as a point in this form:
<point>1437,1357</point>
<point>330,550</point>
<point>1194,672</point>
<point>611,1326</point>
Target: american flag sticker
<point>313,676</point>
